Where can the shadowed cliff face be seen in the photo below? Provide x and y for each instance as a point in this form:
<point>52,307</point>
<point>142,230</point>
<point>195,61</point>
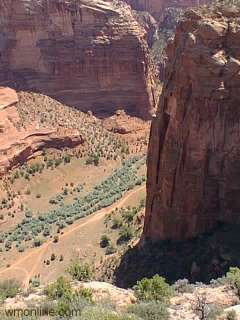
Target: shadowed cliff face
<point>89,54</point>
<point>194,153</point>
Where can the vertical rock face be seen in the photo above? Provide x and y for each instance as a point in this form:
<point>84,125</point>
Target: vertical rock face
<point>194,154</point>
<point>89,54</point>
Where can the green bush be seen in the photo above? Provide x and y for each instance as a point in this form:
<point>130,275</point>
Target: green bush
<point>80,272</point>
<point>100,313</point>
<point>125,234</point>
<point>111,250</point>
<point>59,289</point>
<point>233,276</point>
<point>9,289</point>
<point>150,311</point>
<point>105,241</point>
<point>231,315</point>
<point>154,289</point>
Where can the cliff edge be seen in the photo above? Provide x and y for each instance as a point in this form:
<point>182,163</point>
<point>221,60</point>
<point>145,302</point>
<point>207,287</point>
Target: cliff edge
<point>194,152</point>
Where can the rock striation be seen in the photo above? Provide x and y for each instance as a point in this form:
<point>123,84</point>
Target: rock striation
<point>194,152</point>
<point>21,143</point>
<point>91,54</point>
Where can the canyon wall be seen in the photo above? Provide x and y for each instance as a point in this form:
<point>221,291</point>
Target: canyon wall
<point>88,54</point>
<point>193,178</point>
<point>155,7</point>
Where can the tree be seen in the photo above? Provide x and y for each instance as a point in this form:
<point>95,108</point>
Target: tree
<point>154,289</point>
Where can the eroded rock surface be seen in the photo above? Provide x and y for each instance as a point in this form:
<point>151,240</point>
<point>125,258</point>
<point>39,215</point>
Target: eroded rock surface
<point>89,54</point>
<point>20,143</point>
<point>194,152</point>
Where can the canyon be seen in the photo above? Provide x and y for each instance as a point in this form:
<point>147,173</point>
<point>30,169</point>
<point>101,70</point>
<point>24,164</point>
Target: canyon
<point>155,7</point>
<point>92,55</point>
<point>193,157</point>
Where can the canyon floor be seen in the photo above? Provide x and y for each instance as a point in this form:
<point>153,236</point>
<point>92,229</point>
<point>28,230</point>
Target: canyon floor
<point>45,171</point>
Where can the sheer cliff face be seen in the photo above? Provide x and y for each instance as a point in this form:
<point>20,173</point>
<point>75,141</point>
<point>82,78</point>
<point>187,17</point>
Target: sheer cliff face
<point>194,154</point>
<point>155,7</point>
<point>89,54</point>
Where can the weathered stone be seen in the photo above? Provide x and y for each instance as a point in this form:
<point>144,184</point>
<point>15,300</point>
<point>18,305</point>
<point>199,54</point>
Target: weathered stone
<point>194,153</point>
<point>89,54</point>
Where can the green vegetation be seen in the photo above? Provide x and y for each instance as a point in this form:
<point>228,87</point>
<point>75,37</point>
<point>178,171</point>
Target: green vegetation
<point>103,195</point>
<point>59,289</point>
<point>231,315</point>
<point>80,271</point>
<point>9,289</point>
<point>233,277</point>
<point>150,310</point>
<point>105,241</point>
<point>154,289</point>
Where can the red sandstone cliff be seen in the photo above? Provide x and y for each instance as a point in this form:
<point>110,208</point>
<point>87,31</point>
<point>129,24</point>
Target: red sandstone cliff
<point>19,143</point>
<point>91,54</point>
<point>194,154</point>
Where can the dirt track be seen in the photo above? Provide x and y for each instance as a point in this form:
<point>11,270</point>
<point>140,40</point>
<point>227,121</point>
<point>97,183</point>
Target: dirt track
<point>37,253</point>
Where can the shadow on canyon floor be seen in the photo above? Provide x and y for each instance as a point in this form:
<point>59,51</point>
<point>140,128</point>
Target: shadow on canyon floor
<point>103,109</point>
<point>201,259</point>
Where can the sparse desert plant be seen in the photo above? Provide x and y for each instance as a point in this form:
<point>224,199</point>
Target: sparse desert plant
<point>231,315</point>
<point>182,286</point>
<point>9,289</point>
<point>100,313</point>
<point>154,289</point>
<point>150,311</point>
<point>205,310</point>
<point>110,250</point>
<point>233,276</point>
<point>125,234</point>
<point>61,288</point>
<point>80,271</point>
<point>105,241</point>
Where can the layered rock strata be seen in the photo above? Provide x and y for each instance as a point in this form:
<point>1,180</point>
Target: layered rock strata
<point>193,178</point>
<point>89,54</point>
<point>19,144</point>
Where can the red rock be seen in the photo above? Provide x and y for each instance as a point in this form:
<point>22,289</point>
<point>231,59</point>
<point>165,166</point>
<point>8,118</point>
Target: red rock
<point>8,97</point>
<point>89,54</point>
<point>194,154</point>
<point>17,145</point>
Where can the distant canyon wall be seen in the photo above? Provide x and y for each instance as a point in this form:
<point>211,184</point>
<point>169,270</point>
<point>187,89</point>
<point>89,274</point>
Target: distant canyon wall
<point>155,7</point>
<point>193,180</point>
<point>89,54</point>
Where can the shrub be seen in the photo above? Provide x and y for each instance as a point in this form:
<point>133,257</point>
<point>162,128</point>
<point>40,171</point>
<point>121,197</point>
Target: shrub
<point>59,289</point>
<point>231,315</point>
<point>111,250</point>
<point>125,234</point>
<point>116,223</point>
<point>9,289</point>
<point>150,311</point>
<point>233,276</point>
<point>80,272</point>
<point>154,289</point>
<point>86,294</point>
<point>105,241</point>
<point>182,286</point>
<point>93,159</point>
<point>100,313</point>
